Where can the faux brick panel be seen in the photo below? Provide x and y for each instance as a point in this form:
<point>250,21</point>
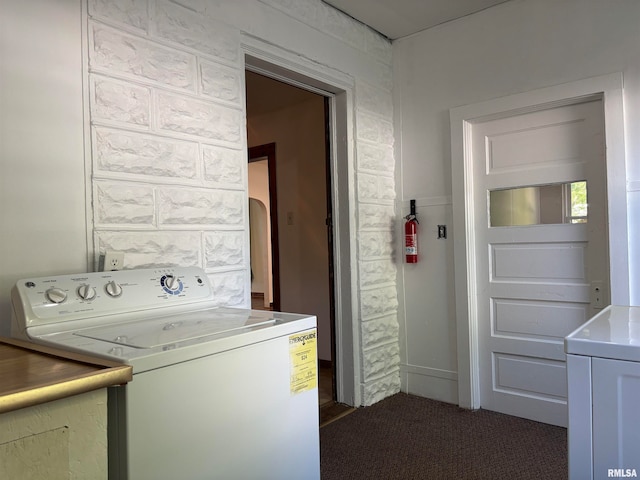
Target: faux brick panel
<point>188,28</point>
<point>377,158</point>
<point>123,204</point>
<point>373,129</point>
<point>119,101</point>
<point>376,216</point>
<point>307,11</point>
<point>132,13</point>
<point>375,100</point>
<point>199,6</point>
<point>118,52</point>
<point>367,186</point>
<point>220,82</point>
<point>377,272</point>
<point>170,67</point>
<point>376,244</point>
<point>379,360</point>
<point>386,188</point>
<point>377,390</point>
<point>380,330</point>
<point>376,188</point>
<point>342,26</point>
<point>141,154</point>
<point>224,249</point>
<point>383,77</point>
<point>229,289</point>
<point>153,249</point>
<point>378,46</point>
<point>223,165</point>
<point>378,302</point>
<point>196,117</point>
<point>190,206</point>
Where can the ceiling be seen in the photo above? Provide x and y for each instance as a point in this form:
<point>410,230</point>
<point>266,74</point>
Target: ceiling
<point>393,18</point>
<point>399,18</point>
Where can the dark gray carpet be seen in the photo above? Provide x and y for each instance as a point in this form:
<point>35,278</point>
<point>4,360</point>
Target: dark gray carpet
<point>408,437</point>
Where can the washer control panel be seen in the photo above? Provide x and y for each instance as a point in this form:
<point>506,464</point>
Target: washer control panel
<point>71,297</point>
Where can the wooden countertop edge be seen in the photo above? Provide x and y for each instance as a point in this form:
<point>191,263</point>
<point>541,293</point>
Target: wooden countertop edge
<point>74,356</point>
<point>111,373</point>
<point>81,384</point>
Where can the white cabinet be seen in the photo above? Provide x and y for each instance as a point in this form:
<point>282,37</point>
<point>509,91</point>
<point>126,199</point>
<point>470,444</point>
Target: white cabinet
<point>65,439</point>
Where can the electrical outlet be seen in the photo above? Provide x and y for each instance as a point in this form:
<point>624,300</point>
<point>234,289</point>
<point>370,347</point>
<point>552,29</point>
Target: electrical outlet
<point>113,261</point>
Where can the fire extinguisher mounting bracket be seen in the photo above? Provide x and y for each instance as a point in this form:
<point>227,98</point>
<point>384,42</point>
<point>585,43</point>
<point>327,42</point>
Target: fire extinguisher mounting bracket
<point>412,211</point>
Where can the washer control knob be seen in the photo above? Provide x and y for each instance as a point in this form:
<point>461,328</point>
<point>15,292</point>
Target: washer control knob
<point>56,295</point>
<point>113,289</point>
<point>171,282</point>
<point>86,292</point>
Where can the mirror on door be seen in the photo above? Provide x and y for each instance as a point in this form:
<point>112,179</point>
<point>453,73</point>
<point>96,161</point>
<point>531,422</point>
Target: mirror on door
<point>539,205</point>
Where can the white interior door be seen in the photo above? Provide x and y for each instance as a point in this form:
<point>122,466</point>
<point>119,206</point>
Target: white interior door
<point>539,274</point>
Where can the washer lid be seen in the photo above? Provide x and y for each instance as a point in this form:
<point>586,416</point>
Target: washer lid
<point>170,330</point>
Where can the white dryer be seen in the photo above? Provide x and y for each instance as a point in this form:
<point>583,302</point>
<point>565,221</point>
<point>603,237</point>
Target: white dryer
<point>216,392</point>
<point>603,376</point>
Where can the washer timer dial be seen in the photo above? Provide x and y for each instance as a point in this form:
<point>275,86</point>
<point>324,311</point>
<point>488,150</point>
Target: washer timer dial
<point>171,284</point>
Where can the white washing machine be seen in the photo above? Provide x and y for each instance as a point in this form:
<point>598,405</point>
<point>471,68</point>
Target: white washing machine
<point>217,393</point>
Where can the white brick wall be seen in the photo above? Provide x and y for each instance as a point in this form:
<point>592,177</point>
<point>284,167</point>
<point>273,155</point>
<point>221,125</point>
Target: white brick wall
<point>168,145</point>
<point>167,140</point>
<point>375,169</point>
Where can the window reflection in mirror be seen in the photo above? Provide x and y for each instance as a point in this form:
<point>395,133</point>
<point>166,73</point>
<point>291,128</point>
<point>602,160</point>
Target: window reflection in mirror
<point>539,205</point>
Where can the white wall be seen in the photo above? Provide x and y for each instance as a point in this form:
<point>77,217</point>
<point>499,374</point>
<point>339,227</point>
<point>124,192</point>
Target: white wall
<point>42,179</point>
<point>165,145</point>
<point>514,47</point>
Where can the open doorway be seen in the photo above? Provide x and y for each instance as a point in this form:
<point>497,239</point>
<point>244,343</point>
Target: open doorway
<point>263,228</point>
<point>295,122</point>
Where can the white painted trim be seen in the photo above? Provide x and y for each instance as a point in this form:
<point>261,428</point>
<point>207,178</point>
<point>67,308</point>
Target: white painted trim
<point>345,258</point>
<point>464,266</point>
<point>617,192</point>
<point>92,260</point>
<point>293,69</point>
<point>429,372</point>
<point>462,118</point>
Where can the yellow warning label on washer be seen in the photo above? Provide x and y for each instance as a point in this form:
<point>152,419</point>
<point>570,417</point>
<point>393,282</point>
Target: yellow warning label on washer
<point>303,363</point>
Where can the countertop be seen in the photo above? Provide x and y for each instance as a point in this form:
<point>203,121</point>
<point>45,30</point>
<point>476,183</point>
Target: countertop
<point>32,374</point>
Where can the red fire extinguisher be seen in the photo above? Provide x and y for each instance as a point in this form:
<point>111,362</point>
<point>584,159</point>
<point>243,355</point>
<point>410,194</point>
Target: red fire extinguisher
<point>411,235</point>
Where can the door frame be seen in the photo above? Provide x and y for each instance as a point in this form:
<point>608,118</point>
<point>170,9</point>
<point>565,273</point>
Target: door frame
<point>607,87</point>
<point>271,61</point>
